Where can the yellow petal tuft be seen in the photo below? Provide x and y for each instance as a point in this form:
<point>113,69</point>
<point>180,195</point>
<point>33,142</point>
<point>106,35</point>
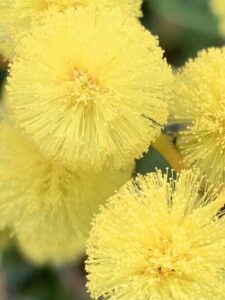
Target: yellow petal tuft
<point>48,206</point>
<point>95,92</point>
<point>159,239</point>
<point>19,16</point>
<point>198,101</point>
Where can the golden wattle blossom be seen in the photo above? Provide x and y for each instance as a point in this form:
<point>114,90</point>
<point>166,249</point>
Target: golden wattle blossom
<point>218,7</point>
<point>48,206</point>
<point>198,102</point>
<point>95,92</point>
<point>19,16</point>
<point>157,239</point>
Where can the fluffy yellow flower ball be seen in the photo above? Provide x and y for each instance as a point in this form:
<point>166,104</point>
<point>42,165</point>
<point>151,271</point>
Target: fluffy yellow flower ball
<point>218,7</point>
<point>90,87</point>
<point>159,239</point>
<point>49,206</point>
<point>19,16</point>
<point>198,102</point>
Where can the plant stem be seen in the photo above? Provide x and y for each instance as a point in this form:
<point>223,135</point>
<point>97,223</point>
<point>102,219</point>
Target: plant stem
<point>165,146</point>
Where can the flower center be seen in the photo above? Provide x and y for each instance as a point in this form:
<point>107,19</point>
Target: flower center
<point>172,251</point>
<point>85,87</point>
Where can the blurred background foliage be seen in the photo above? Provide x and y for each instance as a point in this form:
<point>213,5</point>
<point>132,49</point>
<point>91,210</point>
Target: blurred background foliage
<point>184,27</point>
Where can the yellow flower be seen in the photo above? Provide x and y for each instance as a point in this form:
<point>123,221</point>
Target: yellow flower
<point>218,7</point>
<point>48,206</point>
<point>159,239</point>
<point>198,101</point>
<point>89,88</point>
<point>19,16</point>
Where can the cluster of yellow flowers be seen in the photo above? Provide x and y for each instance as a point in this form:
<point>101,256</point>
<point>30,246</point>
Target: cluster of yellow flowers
<point>88,92</point>
<point>85,98</point>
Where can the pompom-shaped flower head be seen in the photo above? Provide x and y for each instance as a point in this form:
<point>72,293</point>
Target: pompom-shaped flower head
<point>198,101</point>
<point>219,9</point>
<point>159,239</point>
<point>19,16</point>
<point>98,89</point>
<point>48,206</point>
